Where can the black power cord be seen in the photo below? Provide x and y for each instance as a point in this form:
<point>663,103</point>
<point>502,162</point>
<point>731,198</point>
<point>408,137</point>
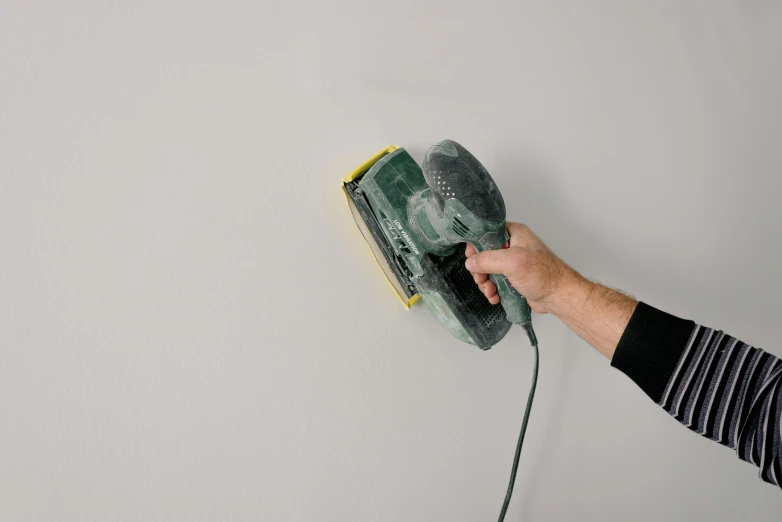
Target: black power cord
<point>534,342</point>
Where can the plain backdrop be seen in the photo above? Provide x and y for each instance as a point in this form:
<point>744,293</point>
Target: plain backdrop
<point>192,329</point>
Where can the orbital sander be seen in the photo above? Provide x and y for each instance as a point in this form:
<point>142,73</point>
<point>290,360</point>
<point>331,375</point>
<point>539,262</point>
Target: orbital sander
<point>417,220</point>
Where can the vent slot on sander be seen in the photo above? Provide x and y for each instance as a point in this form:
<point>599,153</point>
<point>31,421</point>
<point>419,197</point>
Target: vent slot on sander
<point>465,286</point>
<point>486,323</point>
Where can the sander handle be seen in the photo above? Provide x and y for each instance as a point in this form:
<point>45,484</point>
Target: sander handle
<point>516,307</point>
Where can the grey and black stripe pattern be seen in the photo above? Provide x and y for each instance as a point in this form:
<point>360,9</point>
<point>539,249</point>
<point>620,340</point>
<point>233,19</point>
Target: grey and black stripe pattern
<point>730,392</point>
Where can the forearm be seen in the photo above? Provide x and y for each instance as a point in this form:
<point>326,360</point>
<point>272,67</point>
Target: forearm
<point>598,314</point>
<point>714,384</point>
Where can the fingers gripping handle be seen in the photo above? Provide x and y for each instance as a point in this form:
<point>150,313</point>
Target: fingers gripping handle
<point>516,307</point>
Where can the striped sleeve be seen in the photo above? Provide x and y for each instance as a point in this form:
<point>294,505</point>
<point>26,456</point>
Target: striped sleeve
<point>712,383</point>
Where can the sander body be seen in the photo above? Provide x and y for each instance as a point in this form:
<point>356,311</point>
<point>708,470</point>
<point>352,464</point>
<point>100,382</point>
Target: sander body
<point>417,220</point>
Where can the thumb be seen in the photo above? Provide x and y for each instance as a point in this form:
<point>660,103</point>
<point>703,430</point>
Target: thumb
<point>491,262</point>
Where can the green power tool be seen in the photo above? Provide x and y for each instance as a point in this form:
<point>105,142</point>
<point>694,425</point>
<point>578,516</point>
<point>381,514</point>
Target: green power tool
<point>415,221</point>
<point>419,217</point>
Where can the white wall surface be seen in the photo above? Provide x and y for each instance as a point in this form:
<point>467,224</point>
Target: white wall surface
<point>191,328</point>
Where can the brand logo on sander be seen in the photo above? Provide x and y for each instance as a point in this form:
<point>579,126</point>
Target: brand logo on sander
<point>408,240</point>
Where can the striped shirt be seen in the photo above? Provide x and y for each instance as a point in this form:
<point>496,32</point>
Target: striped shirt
<point>714,384</point>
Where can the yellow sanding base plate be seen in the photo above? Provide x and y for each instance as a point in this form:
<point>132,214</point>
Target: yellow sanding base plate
<point>377,253</point>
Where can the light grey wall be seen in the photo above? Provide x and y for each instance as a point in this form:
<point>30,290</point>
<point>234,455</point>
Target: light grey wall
<point>192,329</point>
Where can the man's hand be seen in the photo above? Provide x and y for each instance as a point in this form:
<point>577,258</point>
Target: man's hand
<point>598,314</point>
<point>529,265</point>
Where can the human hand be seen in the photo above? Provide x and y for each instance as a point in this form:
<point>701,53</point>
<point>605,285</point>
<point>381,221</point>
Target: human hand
<point>530,266</point>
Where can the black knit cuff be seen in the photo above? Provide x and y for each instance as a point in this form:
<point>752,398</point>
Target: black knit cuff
<point>650,348</point>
